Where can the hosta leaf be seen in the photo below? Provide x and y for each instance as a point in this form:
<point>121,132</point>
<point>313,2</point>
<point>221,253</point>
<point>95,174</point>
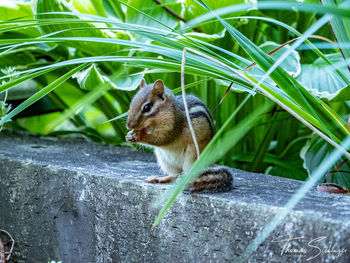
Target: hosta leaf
<point>206,37</point>
<point>291,64</point>
<point>14,9</point>
<point>316,151</point>
<point>41,93</point>
<point>21,91</point>
<point>340,28</point>
<point>128,82</point>
<point>90,78</point>
<point>87,6</point>
<point>194,10</point>
<point>325,82</point>
<point>288,164</point>
<point>237,87</point>
<point>68,29</point>
<point>155,11</point>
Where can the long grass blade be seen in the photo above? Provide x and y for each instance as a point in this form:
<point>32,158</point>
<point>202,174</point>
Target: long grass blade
<point>41,93</point>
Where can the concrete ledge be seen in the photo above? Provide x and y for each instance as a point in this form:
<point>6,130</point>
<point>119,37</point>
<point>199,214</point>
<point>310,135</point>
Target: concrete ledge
<point>83,202</point>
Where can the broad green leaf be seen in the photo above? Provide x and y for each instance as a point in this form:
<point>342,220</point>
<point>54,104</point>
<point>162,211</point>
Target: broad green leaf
<point>340,28</point>
<point>27,77</point>
<point>128,83</point>
<point>322,80</point>
<point>88,99</point>
<point>88,6</point>
<point>82,29</point>
<point>270,5</point>
<point>36,124</point>
<point>14,9</point>
<point>236,86</point>
<point>291,64</point>
<point>22,91</point>
<point>328,120</point>
<point>115,7</point>
<point>204,36</point>
<point>153,10</point>
<point>316,151</point>
<point>288,164</point>
<point>10,10</point>
<point>89,78</point>
<point>193,9</point>
<point>40,94</point>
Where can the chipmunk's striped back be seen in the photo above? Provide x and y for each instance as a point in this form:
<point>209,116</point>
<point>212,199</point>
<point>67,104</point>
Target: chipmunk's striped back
<point>197,109</point>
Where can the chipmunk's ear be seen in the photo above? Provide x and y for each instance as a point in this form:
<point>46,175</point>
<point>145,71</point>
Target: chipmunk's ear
<point>143,83</point>
<point>158,88</point>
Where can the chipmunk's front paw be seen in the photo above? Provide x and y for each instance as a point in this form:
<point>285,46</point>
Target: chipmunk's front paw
<point>131,136</point>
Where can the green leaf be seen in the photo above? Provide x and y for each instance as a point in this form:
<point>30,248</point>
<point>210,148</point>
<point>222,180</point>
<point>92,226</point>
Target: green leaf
<point>79,28</point>
<point>204,37</point>
<point>10,10</point>
<point>116,8</point>
<point>41,94</point>
<point>316,151</point>
<point>193,10</point>
<point>128,83</point>
<point>291,64</point>
<point>89,6</point>
<point>288,164</point>
<point>22,91</point>
<point>87,99</point>
<point>27,77</point>
<point>328,120</point>
<point>92,78</point>
<point>157,12</point>
<point>340,28</point>
<point>89,78</point>
<point>325,82</point>
<point>270,5</point>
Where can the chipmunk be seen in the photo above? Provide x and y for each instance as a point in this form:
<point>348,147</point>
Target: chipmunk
<point>157,117</point>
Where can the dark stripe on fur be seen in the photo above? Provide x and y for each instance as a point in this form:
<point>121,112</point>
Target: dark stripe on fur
<point>214,179</point>
<point>199,114</point>
<point>215,171</point>
<point>198,103</point>
<point>193,101</point>
<point>160,108</point>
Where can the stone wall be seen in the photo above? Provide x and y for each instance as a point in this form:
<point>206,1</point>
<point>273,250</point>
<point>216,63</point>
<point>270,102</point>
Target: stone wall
<point>76,201</point>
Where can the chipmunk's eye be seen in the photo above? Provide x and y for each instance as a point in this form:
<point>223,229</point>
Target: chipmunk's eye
<point>147,107</point>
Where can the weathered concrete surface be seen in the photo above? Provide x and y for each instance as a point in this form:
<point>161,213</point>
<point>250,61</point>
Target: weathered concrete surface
<point>82,202</point>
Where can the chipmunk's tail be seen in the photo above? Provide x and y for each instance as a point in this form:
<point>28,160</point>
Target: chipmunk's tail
<point>214,179</point>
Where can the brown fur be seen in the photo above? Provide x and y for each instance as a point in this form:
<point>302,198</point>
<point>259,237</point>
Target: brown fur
<point>165,127</point>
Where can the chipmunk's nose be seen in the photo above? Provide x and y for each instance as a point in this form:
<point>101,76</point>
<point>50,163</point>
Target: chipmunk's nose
<point>129,124</point>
